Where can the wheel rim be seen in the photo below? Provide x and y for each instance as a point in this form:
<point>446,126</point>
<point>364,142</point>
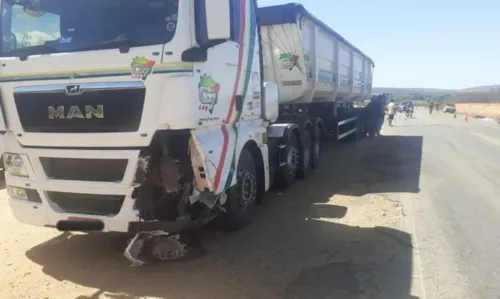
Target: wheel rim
<point>248,190</point>
<point>292,161</point>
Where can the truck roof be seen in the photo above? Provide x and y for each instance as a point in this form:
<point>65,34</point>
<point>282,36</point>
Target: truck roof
<point>287,14</point>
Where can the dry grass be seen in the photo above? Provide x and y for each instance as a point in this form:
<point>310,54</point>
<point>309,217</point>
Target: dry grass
<point>489,110</point>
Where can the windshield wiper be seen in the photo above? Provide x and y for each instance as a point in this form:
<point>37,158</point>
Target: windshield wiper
<point>23,53</point>
<point>123,45</point>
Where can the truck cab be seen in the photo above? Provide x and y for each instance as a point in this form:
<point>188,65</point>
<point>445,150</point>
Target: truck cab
<point>104,98</point>
<point>109,82</point>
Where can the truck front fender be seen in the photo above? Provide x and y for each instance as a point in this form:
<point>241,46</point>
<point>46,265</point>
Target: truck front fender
<point>280,130</point>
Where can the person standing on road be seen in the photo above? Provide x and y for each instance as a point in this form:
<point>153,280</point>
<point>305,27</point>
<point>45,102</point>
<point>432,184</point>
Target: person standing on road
<point>369,117</point>
<point>409,110</point>
<point>366,116</point>
<point>373,115</point>
<point>391,111</point>
<point>379,116</point>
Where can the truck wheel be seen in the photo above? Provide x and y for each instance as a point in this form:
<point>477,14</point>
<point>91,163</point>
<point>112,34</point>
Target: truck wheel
<point>306,155</point>
<point>242,197</point>
<point>287,173</point>
<point>316,148</point>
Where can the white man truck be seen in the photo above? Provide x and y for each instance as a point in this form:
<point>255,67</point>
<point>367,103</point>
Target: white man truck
<point>155,117</point>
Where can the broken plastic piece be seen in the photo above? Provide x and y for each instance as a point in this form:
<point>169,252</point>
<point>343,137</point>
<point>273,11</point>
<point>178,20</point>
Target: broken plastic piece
<point>134,248</point>
<point>166,247</point>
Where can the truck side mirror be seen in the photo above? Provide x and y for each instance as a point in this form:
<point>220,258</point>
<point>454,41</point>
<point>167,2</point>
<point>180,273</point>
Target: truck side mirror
<point>270,109</point>
<point>9,42</point>
<point>218,20</point>
<point>212,27</point>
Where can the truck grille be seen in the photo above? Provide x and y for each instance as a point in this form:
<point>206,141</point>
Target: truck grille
<point>90,204</point>
<point>95,107</point>
<point>96,170</point>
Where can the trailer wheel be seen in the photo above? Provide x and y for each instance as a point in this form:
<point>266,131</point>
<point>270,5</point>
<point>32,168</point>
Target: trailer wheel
<point>242,197</point>
<point>288,172</point>
<point>306,155</point>
<point>316,148</point>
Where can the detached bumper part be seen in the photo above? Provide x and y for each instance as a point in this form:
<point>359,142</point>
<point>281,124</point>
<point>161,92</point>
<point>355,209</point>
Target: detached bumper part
<point>159,237</point>
<point>164,247</point>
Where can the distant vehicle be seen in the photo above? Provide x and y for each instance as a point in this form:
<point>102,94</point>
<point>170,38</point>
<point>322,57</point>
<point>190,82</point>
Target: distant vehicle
<point>449,108</point>
<point>409,112</point>
<point>403,106</point>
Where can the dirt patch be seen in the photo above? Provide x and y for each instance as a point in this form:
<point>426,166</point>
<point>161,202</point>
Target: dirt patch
<point>369,211</point>
<point>479,110</point>
<point>335,234</point>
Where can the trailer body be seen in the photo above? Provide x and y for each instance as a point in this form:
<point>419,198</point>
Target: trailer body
<point>310,61</point>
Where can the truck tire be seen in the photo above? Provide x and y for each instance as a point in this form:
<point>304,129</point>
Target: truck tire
<point>242,197</point>
<point>287,174</point>
<point>316,148</point>
<point>306,155</point>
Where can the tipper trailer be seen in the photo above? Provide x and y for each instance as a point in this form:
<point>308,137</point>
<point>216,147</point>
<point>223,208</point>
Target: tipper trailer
<point>159,123</point>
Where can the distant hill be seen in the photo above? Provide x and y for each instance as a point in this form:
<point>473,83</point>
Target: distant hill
<point>410,91</point>
<point>434,91</point>
<point>477,94</point>
<point>416,94</point>
<point>485,88</point>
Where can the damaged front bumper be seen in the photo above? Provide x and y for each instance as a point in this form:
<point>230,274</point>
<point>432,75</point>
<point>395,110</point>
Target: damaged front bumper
<point>69,193</point>
<point>85,189</point>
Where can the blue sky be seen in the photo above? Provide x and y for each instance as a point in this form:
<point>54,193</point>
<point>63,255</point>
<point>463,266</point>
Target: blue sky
<point>419,43</point>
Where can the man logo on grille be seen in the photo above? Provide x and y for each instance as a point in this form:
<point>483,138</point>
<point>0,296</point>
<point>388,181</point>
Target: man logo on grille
<point>74,111</point>
<point>73,90</point>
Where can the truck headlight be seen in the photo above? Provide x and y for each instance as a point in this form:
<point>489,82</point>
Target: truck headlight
<point>17,192</point>
<point>14,165</point>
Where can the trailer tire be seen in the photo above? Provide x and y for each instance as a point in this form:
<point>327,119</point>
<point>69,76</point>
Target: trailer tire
<point>288,173</point>
<point>242,197</point>
<point>306,155</point>
<point>316,148</point>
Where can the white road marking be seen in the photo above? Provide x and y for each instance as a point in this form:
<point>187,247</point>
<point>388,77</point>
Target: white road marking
<point>409,226</point>
<point>487,138</point>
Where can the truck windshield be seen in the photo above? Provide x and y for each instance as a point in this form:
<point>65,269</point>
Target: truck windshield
<point>49,26</point>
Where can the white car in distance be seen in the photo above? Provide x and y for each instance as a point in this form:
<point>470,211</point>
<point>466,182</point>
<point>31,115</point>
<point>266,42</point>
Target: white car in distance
<point>449,108</point>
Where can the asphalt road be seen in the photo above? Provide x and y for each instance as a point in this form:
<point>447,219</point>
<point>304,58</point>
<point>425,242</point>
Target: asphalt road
<point>411,214</point>
<point>455,217</point>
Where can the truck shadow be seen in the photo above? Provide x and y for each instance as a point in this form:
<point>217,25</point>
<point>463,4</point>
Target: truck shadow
<point>390,164</point>
<point>295,249</point>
